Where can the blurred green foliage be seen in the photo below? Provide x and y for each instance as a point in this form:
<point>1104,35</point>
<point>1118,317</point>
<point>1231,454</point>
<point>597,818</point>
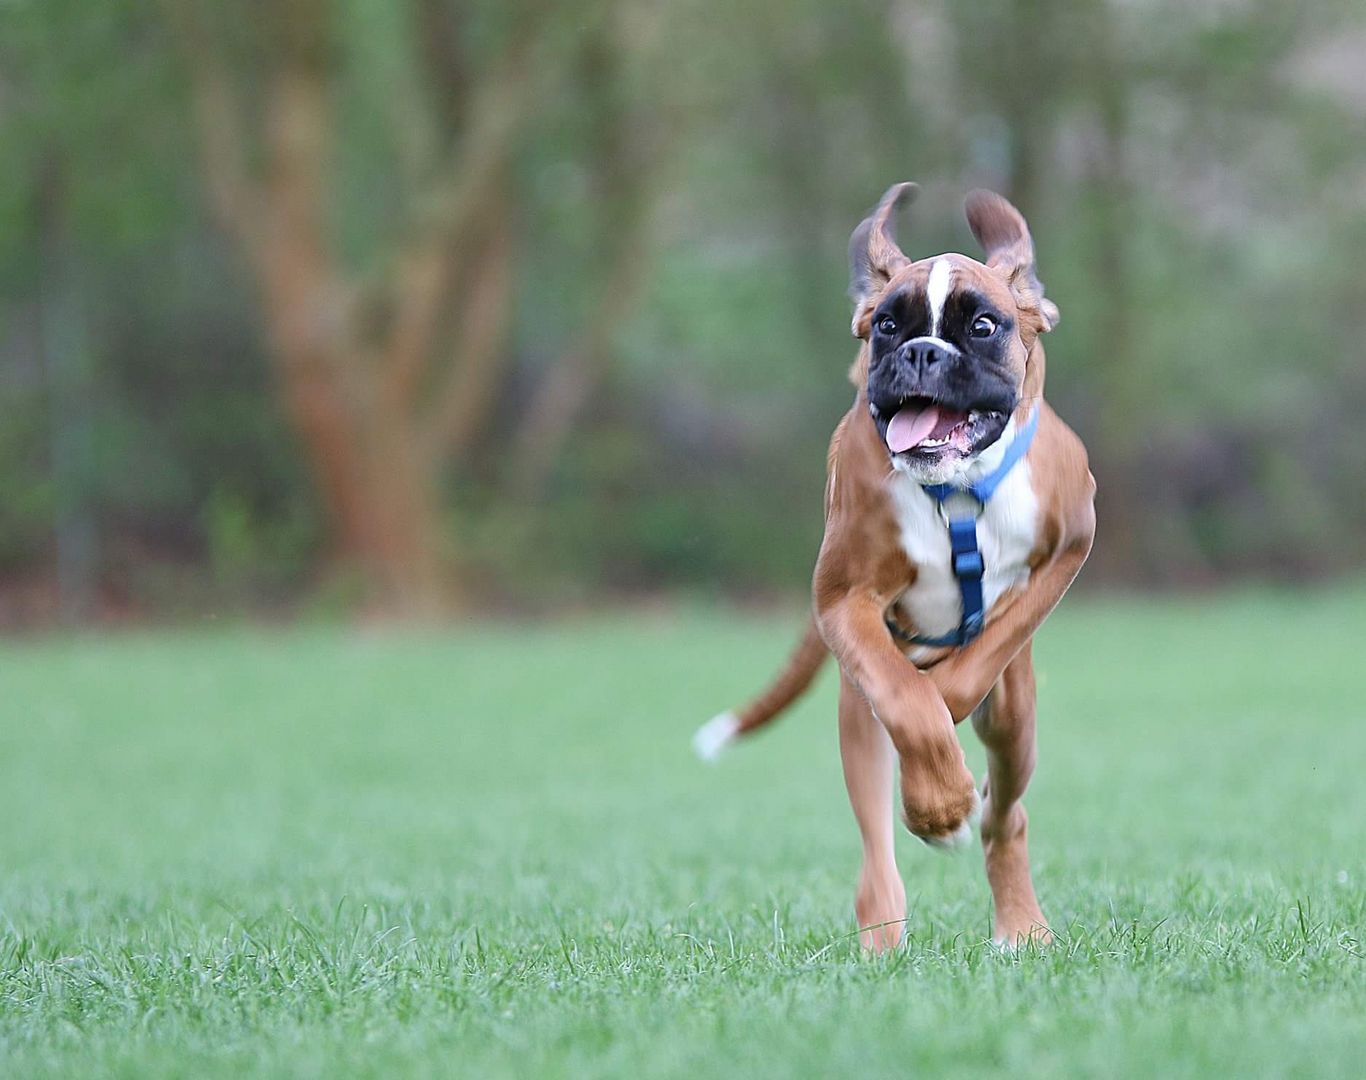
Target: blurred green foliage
<point>1192,174</point>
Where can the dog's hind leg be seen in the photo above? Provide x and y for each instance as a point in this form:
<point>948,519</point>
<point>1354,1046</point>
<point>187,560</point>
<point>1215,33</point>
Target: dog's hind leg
<point>1005,724</point>
<point>869,764</point>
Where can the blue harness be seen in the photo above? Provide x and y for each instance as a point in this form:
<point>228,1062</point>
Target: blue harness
<point>967,557</point>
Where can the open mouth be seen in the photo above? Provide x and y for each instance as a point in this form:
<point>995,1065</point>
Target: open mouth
<point>924,426</point>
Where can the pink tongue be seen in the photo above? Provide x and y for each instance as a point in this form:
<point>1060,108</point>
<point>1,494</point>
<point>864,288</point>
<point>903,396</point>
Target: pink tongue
<point>910,426</point>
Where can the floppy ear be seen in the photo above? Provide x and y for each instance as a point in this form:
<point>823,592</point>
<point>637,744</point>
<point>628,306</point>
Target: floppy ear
<point>873,254</point>
<point>1003,234</point>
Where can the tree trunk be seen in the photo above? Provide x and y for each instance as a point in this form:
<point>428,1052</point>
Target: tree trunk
<point>405,554</point>
<point>380,405</point>
<point>375,488</point>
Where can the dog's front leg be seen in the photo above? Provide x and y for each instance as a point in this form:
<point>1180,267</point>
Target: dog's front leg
<point>966,676</point>
<point>868,756</point>
<point>938,796</point>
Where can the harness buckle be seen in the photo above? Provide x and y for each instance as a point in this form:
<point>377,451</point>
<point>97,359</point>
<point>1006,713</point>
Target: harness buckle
<point>968,563</point>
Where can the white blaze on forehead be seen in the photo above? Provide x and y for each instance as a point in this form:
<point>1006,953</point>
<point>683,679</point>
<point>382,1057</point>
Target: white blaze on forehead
<point>941,276</point>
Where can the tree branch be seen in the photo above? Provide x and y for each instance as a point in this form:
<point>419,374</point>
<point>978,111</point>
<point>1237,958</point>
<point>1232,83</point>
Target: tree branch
<point>461,402</point>
<point>454,208</point>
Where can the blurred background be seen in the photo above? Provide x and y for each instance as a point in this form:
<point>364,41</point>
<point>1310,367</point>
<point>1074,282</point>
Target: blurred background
<point>414,308</point>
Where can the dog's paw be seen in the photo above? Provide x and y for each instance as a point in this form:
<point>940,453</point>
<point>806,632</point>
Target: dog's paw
<point>961,837</point>
<point>880,906</point>
<point>1035,934</point>
<point>715,735</point>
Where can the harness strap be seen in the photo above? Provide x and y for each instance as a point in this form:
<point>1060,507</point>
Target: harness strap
<point>968,566</point>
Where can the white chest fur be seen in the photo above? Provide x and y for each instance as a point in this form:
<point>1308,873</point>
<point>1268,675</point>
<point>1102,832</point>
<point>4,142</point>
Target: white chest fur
<point>1005,536</point>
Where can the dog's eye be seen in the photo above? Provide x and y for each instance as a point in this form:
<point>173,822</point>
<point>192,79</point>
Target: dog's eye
<point>886,325</point>
<point>982,327</point>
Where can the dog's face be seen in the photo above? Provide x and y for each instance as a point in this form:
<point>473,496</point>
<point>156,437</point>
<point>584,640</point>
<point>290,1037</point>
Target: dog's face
<point>946,363</point>
<point>948,338</point>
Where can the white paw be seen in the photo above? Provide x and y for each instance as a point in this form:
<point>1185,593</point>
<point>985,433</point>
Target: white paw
<point>715,735</point>
<point>961,837</point>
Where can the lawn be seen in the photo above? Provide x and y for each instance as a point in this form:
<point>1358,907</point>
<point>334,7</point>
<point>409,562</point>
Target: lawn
<point>488,852</point>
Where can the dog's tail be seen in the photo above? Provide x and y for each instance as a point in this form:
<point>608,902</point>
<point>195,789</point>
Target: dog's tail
<point>720,731</point>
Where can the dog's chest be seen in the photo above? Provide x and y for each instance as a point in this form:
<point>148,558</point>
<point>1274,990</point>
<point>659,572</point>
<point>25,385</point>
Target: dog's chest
<point>1005,536</point>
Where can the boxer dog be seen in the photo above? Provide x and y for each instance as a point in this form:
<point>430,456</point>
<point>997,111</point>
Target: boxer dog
<point>958,510</point>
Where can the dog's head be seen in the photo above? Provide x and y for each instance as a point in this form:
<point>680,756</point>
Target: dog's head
<point>949,340</point>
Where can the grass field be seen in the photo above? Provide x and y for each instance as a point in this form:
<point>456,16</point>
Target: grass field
<point>489,852</point>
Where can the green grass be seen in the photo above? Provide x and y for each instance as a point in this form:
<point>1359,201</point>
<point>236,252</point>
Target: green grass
<point>489,852</point>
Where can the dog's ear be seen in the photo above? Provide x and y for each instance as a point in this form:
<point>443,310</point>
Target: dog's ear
<point>1003,234</point>
<point>874,256</point>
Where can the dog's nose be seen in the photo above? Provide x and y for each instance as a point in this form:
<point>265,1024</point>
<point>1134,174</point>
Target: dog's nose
<point>923,355</point>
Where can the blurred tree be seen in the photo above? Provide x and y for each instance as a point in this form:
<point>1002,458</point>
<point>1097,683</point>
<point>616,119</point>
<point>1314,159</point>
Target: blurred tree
<point>67,358</point>
<point>545,297</point>
<point>385,372</point>
<point>389,364</point>
<point>86,184</point>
